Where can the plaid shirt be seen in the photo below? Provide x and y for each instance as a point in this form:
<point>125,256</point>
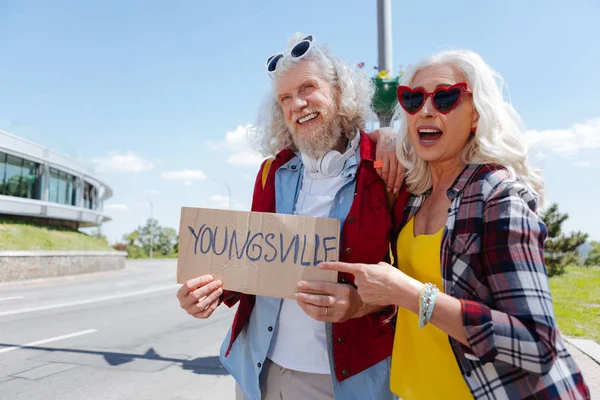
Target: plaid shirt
<point>492,258</point>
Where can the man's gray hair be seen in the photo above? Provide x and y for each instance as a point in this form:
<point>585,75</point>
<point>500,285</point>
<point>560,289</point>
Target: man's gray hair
<point>270,135</point>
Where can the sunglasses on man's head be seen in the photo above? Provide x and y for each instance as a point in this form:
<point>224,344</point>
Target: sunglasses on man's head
<point>299,50</point>
<point>444,99</point>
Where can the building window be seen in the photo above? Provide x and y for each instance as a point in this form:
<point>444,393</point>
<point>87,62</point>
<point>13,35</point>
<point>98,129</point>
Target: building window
<point>13,178</point>
<point>53,185</point>
<point>90,196</point>
<point>94,197</point>
<point>40,182</point>
<point>25,178</point>
<point>2,172</point>
<point>61,188</point>
<point>76,192</point>
<point>28,183</point>
<point>86,195</point>
<point>18,177</point>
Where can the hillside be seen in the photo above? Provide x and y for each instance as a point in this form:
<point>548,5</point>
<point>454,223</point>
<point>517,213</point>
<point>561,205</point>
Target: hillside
<point>26,236</point>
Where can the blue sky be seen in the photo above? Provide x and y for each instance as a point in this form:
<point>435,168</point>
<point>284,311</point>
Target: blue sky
<point>156,95</point>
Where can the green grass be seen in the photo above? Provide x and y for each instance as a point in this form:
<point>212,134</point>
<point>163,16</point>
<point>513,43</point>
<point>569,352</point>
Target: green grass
<point>25,236</point>
<point>576,296</point>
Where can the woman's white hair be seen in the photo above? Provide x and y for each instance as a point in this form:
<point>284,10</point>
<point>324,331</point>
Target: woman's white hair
<point>499,139</point>
<point>355,91</point>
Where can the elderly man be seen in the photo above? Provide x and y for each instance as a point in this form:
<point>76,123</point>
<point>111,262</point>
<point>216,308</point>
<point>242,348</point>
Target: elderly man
<point>332,345</point>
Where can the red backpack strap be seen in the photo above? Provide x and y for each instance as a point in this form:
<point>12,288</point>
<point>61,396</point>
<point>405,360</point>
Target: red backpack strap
<point>265,171</point>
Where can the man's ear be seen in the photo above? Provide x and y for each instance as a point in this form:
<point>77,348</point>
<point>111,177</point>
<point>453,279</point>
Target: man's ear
<point>337,93</point>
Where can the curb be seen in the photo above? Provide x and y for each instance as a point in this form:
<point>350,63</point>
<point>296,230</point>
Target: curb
<point>586,346</point>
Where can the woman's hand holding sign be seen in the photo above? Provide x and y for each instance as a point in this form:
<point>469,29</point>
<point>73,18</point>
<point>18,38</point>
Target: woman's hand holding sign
<point>199,296</point>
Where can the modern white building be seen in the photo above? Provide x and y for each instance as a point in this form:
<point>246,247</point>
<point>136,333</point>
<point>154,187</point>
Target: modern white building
<point>40,185</point>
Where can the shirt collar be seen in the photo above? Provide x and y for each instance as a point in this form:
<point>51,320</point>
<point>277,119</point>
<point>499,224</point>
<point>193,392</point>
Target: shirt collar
<point>461,181</point>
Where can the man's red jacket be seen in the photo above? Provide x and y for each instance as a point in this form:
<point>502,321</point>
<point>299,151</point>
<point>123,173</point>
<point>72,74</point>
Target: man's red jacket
<point>361,342</point>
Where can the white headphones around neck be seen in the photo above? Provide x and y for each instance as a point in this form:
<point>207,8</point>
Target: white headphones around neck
<point>331,164</point>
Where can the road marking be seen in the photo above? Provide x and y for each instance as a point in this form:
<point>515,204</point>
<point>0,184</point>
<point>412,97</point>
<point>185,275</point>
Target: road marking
<point>54,339</point>
<point>12,298</point>
<point>89,301</point>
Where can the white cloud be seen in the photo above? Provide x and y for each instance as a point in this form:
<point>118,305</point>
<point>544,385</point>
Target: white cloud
<point>219,201</point>
<point>583,164</point>
<point>116,207</point>
<point>245,159</point>
<point>188,176</point>
<point>216,201</point>
<point>122,162</point>
<point>219,198</point>
<point>236,142</point>
<point>567,142</point>
<point>222,202</point>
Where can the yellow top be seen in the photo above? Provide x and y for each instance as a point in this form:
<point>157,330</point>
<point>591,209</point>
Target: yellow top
<point>423,364</point>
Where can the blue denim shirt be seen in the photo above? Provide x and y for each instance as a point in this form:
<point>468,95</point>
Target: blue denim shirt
<point>249,351</point>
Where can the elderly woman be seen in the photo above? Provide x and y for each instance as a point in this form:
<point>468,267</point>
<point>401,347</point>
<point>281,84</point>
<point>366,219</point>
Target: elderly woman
<point>475,316</point>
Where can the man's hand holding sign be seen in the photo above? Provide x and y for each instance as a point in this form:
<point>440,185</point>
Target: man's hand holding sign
<point>200,296</point>
<point>336,303</point>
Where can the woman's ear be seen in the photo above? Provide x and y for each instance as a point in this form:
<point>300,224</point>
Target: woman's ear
<point>475,121</point>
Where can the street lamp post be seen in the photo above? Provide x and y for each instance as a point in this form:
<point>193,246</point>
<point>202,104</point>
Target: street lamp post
<point>384,34</point>
<point>226,187</point>
<point>151,228</point>
<point>228,191</point>
<point>385,96</point>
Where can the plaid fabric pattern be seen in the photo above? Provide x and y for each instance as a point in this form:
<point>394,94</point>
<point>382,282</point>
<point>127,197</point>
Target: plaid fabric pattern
<point>493,261</point>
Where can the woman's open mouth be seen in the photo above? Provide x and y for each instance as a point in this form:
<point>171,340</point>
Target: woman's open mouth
<point>429,135</point>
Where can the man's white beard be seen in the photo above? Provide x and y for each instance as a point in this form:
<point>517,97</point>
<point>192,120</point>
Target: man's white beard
<point>317,142</point>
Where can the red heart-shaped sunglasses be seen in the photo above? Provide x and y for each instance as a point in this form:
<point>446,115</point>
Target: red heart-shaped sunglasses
<point>444,99</point>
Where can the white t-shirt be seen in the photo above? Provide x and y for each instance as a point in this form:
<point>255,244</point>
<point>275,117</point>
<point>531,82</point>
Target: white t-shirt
<point>299,342</point>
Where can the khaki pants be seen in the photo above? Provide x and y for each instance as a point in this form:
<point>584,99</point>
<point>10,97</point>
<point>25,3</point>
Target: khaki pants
<point>278,383</point>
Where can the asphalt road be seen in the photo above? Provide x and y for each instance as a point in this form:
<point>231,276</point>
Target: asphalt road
<point>115,335</point>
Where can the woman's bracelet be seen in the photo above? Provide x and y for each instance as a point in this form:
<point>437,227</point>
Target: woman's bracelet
<point>427,298</point>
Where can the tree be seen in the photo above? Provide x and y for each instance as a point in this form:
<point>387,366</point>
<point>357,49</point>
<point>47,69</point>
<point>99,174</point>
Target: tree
<point>162,240</point>
<point>134,246</point>
<point>132,238</point>
<point>167,240</point>
<point>593,257</point>
<point>149,234</point>
<point>561,250</point>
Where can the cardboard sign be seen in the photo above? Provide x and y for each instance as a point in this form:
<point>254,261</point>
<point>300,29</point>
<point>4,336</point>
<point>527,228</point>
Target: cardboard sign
<point>256,253</point>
